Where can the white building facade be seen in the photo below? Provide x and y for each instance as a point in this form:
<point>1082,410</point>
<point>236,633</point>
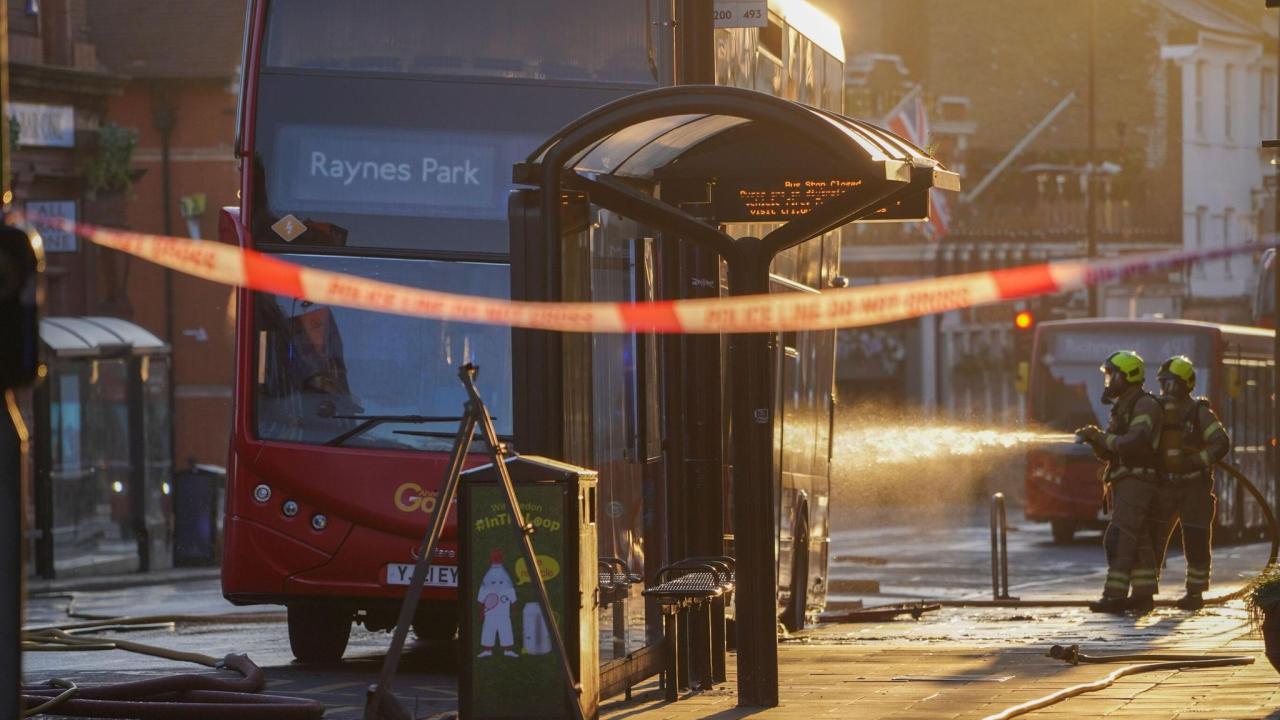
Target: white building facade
<point>1226,73</point>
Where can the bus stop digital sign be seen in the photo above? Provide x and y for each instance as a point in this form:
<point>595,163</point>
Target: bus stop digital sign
<point>781,199</point>
<point>363,171</point>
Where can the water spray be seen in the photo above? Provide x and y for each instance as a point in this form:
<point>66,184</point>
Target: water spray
<point>887,444</point>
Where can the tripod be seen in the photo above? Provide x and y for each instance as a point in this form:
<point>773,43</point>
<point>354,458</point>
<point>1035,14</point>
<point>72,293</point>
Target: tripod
<point>380,704</point>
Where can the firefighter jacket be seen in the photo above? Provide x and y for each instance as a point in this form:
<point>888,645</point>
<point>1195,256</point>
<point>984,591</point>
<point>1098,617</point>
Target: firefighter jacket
<point>1192,438</point>
<point>1132,440</point>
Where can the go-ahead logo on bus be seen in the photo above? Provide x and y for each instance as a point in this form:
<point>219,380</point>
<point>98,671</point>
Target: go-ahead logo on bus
<point>411,497</point>
<point>334,169</point>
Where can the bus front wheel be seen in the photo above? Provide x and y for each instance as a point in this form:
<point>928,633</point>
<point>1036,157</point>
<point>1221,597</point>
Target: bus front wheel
<point>437,624</point>
<point>318,632</point>
<point>1064,531</point>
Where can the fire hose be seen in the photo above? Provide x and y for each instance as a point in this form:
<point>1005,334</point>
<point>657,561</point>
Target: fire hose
<point>1272,530</point>
<point>1154,662</point>
<point>187,696</point>
<point>1147,662</point>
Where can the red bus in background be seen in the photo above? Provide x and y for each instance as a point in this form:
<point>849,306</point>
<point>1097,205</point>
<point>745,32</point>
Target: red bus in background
<point>1234,369</point>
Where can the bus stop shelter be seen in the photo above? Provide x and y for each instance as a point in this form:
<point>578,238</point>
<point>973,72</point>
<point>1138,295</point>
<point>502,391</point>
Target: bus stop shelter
<point>102,457</point>
<point>684,161</point>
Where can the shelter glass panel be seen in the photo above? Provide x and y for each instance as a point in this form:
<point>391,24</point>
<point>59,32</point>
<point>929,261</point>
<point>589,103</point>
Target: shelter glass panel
<point>611,405</point>
<point>90,493</point>
<point>158,458</point>
<point>610,153</point>
<point>666,148</point>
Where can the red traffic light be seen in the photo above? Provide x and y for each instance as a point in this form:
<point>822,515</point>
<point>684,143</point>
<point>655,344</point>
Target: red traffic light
<point>1024,320</point>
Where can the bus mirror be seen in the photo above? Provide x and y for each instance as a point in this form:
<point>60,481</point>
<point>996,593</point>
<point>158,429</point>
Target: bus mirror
<point>1023,381</point>
<point>21,266</point>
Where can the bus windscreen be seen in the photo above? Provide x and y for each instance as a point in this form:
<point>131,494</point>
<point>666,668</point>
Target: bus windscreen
<point>321,370</point>
<point>1066,392</point>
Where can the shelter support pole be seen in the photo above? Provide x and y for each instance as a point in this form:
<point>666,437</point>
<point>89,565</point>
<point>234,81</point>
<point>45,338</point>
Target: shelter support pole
<point>751,367</point>
<point>13,447</point>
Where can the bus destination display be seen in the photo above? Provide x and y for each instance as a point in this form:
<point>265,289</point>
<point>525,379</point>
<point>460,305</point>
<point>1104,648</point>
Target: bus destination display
<point>397,172</point>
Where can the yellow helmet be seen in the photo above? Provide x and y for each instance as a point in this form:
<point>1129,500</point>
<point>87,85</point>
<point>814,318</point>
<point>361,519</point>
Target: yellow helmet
<point>1180,367</point>
<point>1127,363</point>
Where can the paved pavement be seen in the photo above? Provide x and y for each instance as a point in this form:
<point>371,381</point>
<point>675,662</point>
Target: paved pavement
<point>957,663</point>
<point>926,669</point>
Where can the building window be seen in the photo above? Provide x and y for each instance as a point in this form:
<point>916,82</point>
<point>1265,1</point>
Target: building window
<point>1198,268</point>
<point>1228,219</point>
<point>1199,95</point>
<point>1266,110</point>
<point>1229,80</point>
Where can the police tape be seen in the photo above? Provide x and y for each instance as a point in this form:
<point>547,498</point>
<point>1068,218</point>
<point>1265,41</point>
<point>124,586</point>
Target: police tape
<point>836,308</point>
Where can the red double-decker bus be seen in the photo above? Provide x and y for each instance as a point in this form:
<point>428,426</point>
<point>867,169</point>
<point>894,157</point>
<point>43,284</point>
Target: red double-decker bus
<point>377,139</point>
<point>1234,369</point>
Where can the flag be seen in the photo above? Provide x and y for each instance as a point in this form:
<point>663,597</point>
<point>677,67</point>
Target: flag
<point>910,120</point>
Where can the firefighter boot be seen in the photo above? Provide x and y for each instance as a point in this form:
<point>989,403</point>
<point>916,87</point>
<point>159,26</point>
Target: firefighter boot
<point>1110,604</point>
<point>1191,601</point>
<point>1142,604</point>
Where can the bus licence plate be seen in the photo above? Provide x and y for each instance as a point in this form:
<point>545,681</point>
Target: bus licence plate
<point>437,575</point>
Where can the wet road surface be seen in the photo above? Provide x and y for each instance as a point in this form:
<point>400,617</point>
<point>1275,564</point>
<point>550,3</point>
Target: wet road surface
<point>941,556</point>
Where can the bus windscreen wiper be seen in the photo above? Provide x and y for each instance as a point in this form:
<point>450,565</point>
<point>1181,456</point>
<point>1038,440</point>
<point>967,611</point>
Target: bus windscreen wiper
<point>371,421</point>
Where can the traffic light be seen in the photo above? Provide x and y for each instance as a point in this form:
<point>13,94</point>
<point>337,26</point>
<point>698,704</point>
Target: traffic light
<point>1024,330</point>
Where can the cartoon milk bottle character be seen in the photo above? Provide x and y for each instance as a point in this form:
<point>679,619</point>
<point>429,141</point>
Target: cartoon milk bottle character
<point>497,595</point>
<point>537,638</point>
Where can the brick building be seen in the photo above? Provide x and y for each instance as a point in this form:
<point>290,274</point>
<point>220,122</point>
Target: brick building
<point>182,65</point>
<point>123,109</point>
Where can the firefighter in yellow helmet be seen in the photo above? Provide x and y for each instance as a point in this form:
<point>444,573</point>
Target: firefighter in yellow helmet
<point>1130,447</point>
<point>1192,441</point>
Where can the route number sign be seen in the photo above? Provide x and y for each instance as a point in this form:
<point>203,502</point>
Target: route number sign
<point>741,13</point>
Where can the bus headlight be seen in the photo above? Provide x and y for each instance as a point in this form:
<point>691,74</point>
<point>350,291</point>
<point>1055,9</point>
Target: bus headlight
<point>318,521</point>
<point>262,493</point>
<point>290,508</point>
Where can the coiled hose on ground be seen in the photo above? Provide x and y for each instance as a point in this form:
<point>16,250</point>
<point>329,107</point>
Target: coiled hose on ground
<point>185,696</point>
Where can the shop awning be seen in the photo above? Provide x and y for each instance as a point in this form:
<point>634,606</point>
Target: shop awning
<point>70,337</point>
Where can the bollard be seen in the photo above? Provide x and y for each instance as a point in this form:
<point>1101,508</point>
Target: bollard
<point>999,549</point>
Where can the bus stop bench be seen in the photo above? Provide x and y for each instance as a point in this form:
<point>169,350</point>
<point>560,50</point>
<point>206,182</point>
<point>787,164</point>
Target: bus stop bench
<point>615,580</point>
<point>692,595</point>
